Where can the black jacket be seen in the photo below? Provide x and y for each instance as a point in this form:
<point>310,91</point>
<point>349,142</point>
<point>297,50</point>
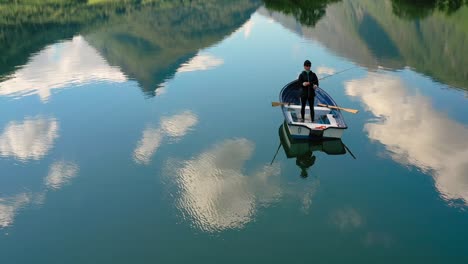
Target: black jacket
<point>307,77</point>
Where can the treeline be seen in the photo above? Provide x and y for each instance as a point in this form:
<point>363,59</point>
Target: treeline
<point>42,12</point>
<point>307,12</point>
<point>419,9</point>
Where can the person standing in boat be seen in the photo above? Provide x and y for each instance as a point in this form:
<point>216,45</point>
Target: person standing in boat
<point>309,82</point>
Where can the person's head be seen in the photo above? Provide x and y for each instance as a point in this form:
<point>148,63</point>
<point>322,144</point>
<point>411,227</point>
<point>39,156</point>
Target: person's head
<point>307,65</point>
<point>305,161</point>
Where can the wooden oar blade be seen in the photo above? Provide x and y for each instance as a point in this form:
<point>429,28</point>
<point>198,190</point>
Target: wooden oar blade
<point>276,104</point>
<point>354,111</point>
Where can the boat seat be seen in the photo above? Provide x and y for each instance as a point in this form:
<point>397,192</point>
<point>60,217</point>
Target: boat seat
<point>322,119</point>
<point>332,120</point>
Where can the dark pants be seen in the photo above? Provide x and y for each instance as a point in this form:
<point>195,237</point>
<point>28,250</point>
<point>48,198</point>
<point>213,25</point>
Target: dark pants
<point>310,99</point>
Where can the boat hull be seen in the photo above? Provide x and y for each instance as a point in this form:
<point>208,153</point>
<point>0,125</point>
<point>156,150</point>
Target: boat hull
<point>303,132</point>
<point>296,147</point>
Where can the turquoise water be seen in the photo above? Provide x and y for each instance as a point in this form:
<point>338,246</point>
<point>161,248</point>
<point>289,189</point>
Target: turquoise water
<point>142,139</point>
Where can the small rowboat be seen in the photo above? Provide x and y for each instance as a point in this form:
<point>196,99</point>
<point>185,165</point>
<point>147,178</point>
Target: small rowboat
<point>328,123</point>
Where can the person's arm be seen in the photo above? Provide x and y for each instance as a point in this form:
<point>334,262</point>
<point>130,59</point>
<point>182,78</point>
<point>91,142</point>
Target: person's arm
<point>315,81</point>
<point>301,80</point>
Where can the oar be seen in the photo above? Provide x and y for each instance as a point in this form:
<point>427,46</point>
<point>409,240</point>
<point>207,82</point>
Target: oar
<point>354,111</point>
<point>275,154</point>
<point>349,151</point>
<point>278,104</point>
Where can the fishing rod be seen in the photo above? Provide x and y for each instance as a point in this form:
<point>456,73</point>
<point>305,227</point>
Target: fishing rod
<point>330,75</point>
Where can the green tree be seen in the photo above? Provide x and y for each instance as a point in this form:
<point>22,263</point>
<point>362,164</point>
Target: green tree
<point>307,12</point>
<point>422,8</point>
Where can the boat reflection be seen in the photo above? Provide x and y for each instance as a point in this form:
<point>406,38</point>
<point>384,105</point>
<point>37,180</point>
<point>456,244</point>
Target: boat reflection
<point>303,150</point>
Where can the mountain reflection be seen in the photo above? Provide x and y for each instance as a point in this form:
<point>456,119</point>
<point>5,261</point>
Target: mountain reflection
<point>151,45</point>
<point>148,41</point>
<point>58,66</point>
<point>30,139</point>
<point>212,190</point>
<point>372,34</point>
<point>416,134</point>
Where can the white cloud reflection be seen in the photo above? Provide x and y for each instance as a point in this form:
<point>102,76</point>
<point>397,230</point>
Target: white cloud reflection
<point>57,66</point>
<point>415,133</point>
<point>347,218</point>
<point>161,89</point>
<point>9,207</point>
<point>147,146</point>
<point>60,173</point>
<point>247,27</point>
<point>322,70</point>
<point>378,239</point>
<point>178,125</point>
<point>213,192</point>
<point>201,62</point>
<point>30,139</point>
<point>175,127</point>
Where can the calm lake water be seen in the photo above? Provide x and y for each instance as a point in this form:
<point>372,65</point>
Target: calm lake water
<point>145,134</point>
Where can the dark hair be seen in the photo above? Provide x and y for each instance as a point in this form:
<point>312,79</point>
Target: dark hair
<point>307,63</point>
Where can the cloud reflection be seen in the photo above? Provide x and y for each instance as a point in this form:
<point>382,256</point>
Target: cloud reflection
<point>58,66</point>
<point>322,70</point>
<point>376,239</point>
<point>9,207</point>
<point>201,62</point>
<point>175,127</point>
<point>30,139</point>
<point>60,173</point>
<point>415,133</point>
<point>147,146</point>
<point>213,192</point>
<point>347,219</point>
<point>247,27</point>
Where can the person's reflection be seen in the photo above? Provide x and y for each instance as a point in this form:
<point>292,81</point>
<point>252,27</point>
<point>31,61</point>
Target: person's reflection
<point>305,161</point>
